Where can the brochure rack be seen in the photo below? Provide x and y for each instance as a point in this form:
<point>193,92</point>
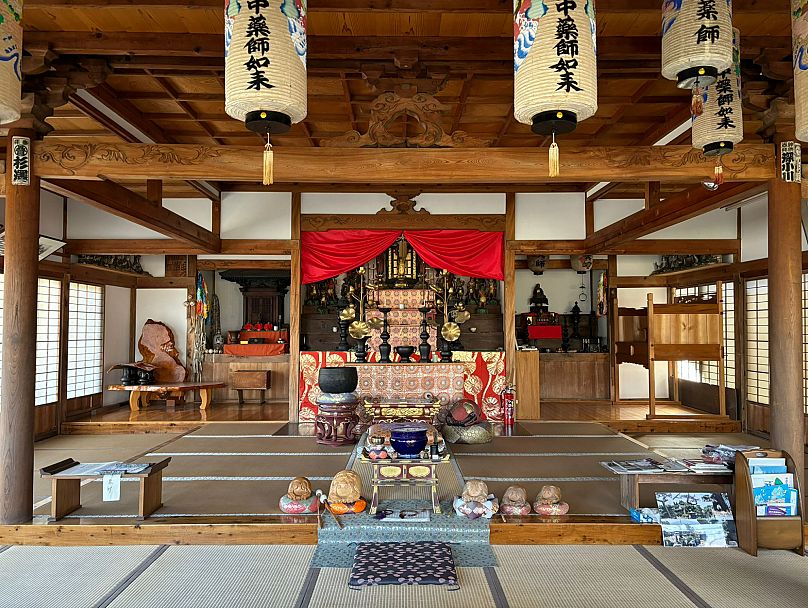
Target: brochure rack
<point>769,532</point>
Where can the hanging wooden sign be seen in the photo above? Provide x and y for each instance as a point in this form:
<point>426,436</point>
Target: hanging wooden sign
<point>791,162</point>
<point>20,161</point>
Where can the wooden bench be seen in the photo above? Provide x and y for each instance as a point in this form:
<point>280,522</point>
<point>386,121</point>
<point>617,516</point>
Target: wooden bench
<point>66,478</point>
<point>141,395</point>
<point>252,380</point>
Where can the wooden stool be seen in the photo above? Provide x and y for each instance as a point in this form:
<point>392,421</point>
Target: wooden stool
<point>252,380</point>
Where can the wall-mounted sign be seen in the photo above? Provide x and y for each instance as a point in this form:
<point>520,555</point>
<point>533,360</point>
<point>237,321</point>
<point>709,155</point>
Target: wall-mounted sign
<point>20,161</point>
<point>791,162</point>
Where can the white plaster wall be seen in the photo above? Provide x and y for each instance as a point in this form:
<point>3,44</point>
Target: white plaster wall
<point>370,203</point>
<point>51,214</point>
<point>543,216</point>
<point>717,224</point>
<point>198,210</point>
<point>88,222</point>
<point>155,265</point>
<point>256,215</point>
<point>166,305</point>
<point>116,337</point>
<point>754,229</point>
<point>609,210</point>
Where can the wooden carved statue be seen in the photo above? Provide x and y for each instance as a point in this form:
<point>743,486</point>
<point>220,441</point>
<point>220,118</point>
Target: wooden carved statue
<point>157,347</point>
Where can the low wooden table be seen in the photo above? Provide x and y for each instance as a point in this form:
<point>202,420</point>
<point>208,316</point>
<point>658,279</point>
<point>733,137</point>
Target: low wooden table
<point>252,380</point>
<point>66,487</point>
<point>630,483</point>
<point>402,410</point>
<point>405,472</point>
<point>140,395</point>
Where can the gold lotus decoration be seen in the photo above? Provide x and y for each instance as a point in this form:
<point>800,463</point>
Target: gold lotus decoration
<point>359,330</point>
<point>375,323</point>
<point>348,314</point>
<point>450,331</point>
<point>461,316</point>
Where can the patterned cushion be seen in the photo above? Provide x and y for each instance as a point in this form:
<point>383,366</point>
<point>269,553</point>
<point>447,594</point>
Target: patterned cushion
<point>419,563</point>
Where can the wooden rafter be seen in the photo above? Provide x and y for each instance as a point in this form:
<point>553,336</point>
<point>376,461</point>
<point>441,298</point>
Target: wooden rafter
<point>124,203</point>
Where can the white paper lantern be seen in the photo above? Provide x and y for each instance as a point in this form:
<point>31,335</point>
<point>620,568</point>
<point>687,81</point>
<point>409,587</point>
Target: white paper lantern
<point>581,263</point>
<point>720,126</point>
<point>696,41</point>
<point>265,66</point>
<point>799,36</point>
<point>555,65</point>
<point>10,60</point>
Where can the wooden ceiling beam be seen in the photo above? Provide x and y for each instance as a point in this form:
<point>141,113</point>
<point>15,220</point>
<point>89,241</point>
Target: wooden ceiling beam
<point>131,247</point>
<point>128,46</point>
<point>673,210</point>
<point>401,6</point>
<point>237,264</point>
<point>676,247</point>
<point>124,203</point>
<point>398,165</point>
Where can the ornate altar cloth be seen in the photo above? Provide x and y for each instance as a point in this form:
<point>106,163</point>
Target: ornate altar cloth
<point>479,376</point>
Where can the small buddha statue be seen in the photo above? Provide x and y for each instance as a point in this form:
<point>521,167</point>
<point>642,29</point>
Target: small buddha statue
<point>538,301</point>
<point>514,501</point>
<point>475,501</point>
<point>344,495</point>
<point>298,498</point>
<point>548,502</point>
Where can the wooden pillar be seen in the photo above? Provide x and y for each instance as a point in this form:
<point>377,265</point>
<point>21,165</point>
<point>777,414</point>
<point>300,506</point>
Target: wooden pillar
<point>294,312</point>
<point>19,346</point>
<point>785,320</point>
<point>509,290</point>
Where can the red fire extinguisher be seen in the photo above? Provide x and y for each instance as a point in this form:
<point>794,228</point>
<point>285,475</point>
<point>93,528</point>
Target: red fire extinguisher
<point>507,404</point>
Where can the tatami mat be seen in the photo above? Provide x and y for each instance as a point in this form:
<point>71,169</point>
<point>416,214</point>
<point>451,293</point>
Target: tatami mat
<point>614,444</point>
<point>64,577</point>
<point>235,443</point>
<point>220,576</point>
<point>566,428</point>
<point>239,428</point>
<point>730,578</point>
<point>583,577</point>
<point>332,591</point>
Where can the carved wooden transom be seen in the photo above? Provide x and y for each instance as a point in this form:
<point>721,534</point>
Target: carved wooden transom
<point>389,108</point>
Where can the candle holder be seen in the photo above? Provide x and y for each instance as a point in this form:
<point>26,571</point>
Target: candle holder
<point>384,347</point>
<point>424,348</point>
<point>343,345</point>
<point>361,350</point>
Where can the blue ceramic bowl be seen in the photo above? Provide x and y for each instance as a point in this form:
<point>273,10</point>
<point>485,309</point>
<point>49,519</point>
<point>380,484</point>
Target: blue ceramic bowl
<point>408,441</point>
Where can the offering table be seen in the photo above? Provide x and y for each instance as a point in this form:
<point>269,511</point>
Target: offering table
<point>405,472</point>
<point>141,394</point>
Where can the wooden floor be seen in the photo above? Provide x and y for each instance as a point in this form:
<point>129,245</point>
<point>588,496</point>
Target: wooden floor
<point>599,411</point>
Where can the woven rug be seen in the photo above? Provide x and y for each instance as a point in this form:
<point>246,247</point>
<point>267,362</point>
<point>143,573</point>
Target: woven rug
<point>421,563</point>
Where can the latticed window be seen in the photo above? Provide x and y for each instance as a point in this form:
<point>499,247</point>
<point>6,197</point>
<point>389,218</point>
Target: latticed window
<point>47,339</point>
<point>706,372</point>
<point>85,340</point>
<point>757,340</point>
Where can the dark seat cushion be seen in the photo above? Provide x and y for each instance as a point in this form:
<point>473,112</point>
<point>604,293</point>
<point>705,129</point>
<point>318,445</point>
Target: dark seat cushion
<point>419,563</point>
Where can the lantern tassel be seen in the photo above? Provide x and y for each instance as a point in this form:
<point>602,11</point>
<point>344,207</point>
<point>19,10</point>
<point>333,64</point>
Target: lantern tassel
<point>555,168</point>
<point>718,178</point>
<point>697,103</point>
<point>268,164</point>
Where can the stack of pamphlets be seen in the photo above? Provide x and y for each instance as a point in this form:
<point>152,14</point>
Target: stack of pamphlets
<point>697,465</point>
<point>773,487</point>
<point>644,465</point>
<point>724,453</point>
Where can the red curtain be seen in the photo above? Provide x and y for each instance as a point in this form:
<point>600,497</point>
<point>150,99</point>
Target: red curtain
<point>469,253</point>
<point>326,254</point>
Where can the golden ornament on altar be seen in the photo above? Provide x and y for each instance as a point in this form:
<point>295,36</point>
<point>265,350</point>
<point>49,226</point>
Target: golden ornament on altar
<point>347,314</point>
<point>450,331</point>
<point>375,323</point>
<point>461,316</point>
<point>359,329</point>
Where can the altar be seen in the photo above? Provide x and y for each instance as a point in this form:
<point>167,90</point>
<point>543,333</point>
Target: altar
<point>479,376</point>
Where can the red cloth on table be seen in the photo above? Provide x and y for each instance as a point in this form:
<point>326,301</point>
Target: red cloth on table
<point>471,253</point>
<point>544,332</point>
<point>254,350</point>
